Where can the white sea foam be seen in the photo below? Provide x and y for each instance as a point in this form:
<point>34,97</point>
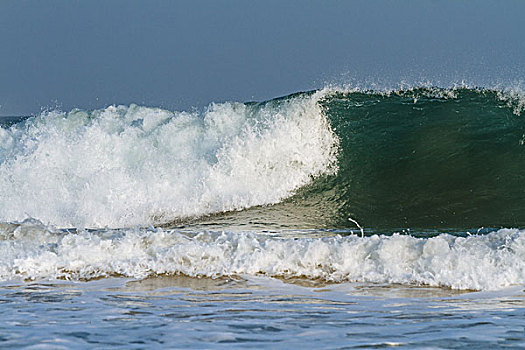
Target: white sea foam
<point>31,250</point>
<point>125,166</point>
<point>513,95</point>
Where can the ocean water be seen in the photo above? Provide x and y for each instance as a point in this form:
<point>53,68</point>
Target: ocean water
<point>337,218</point>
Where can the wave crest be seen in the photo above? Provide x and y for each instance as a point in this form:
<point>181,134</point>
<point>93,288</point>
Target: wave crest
<point>125,166</point>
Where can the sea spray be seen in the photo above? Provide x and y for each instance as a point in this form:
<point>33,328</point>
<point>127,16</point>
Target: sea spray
<point>31,250</point>
<point>125,166</point>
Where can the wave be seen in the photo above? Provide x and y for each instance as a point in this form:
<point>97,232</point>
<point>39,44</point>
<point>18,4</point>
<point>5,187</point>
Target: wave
<point>420,158</point>
<point>426,158</point>
<point>31,250</point>
<point>127,166</point>
<point>199,193</point>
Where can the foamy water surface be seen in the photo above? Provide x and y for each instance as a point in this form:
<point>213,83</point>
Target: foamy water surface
<point>240,225</point>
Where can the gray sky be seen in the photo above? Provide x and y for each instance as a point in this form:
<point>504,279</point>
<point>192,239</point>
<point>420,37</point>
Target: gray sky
<point>179,54</point>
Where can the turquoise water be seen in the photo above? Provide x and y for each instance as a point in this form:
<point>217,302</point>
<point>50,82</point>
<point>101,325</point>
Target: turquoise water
<point>332,218</point>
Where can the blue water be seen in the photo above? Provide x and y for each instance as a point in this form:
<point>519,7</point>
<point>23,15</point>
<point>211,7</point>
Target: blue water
<point>182,312</point>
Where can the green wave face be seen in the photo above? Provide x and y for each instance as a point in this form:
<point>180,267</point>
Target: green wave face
<point>425,159</point>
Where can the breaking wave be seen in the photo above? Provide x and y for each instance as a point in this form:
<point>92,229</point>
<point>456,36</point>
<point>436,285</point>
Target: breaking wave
<point>30,250</point>
<point>127,166</point>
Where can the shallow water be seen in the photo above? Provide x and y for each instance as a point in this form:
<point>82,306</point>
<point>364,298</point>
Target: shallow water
<point>183,312</point>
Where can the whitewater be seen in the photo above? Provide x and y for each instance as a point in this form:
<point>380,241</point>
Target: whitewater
<point>128,166</point>
<point>402,207</point>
